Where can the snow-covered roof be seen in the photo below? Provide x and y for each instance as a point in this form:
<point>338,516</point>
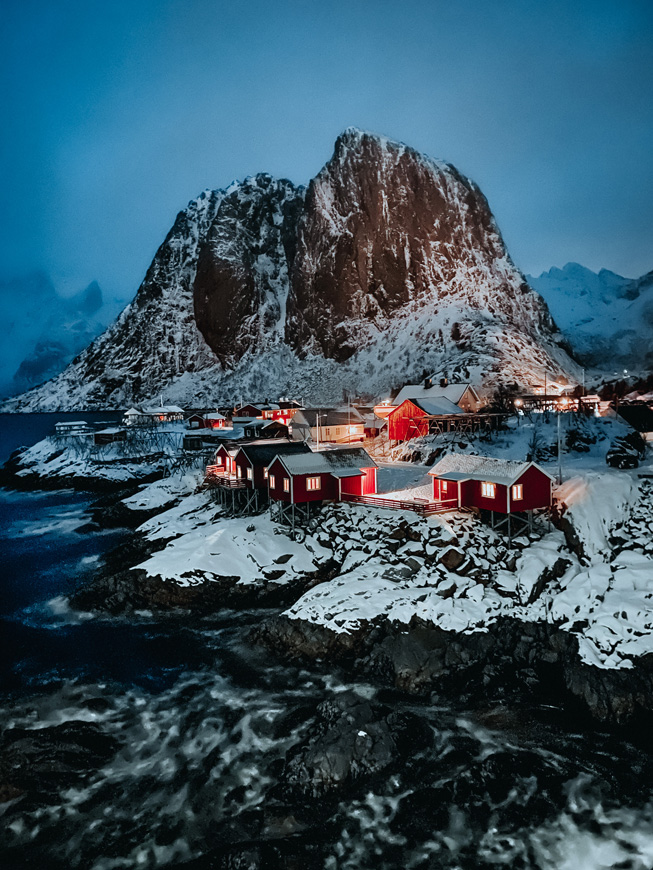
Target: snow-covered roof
<point>65,424</point>
<point>437,406</point>
<point>214,417</point>
<point>452,392</point>
<point>133,411</point>
<point>337,462</point>
<point>112,430</point>
<point>461,466</point>
<point>263,454</point>
<point>164,409</point>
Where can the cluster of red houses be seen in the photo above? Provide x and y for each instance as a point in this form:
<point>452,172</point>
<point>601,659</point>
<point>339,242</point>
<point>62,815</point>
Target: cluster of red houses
<point>291,474</point>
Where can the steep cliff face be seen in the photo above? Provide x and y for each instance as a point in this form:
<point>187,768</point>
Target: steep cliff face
<point>241,286</point>
<point>385,229</point>
<point>390,263</point>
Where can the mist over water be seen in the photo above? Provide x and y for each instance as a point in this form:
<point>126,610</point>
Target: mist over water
<point>150,742</point>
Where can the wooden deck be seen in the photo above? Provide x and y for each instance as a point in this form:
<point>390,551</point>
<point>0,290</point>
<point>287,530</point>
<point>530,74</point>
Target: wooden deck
<point>419,506</point>
<point>215,476</point>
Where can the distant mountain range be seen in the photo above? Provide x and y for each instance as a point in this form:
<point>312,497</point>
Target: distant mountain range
<point>389,264</point>
<point>607,319</point>
<point>41,331</point>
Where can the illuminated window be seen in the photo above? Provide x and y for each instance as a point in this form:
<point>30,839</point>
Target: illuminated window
<point>265,473</point>
<point>286,484</point>
<point>239,471</point>
<point>517,492</point>
<point>488,489</point>
<point>250,474</point>
<point>444,484</point>
<point>313,483</point>
<point>272,481</point>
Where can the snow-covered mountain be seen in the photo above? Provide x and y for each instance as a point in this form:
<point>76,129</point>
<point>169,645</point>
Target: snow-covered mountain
<point>37,341</point>
<point>607,319</point>
<point>389,263</point>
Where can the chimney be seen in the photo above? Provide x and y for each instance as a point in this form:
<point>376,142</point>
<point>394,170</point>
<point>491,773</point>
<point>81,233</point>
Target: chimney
<point>428,383</point>
<point>443,382</point>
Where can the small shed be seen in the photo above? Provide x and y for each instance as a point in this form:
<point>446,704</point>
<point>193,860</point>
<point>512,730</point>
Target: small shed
<point>499,485</point>
<point>265,429</point>
<point>110,435</point>
<point>72,427</point>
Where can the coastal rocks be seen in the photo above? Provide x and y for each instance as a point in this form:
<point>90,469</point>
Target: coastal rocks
<point>511,661</point>
<point>40,762</point>
<point>352,740</point>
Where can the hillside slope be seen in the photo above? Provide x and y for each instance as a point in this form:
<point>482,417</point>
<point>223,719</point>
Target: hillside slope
<point>607,319</point>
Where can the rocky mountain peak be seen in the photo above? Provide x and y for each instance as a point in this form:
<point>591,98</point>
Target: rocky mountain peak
<point>389,263</point>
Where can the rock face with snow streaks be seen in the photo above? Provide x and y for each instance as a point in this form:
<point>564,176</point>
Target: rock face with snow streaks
<point>390,263</point>
<point>384,230</point>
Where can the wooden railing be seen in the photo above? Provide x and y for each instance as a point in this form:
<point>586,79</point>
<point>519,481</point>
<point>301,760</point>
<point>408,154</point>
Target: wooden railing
<point>216,476</point>
<point>425,508</point>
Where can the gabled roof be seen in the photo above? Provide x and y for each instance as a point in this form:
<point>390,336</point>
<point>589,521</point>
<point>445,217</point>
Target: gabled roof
<point>263,454</point>
<point>257,423</point>
<point>452,392</point>
<point>347,462</point>
<point>329,417</point>
<point>164,409</point>
<point>436,407</point>
<point>214,416</point>
<point>462,466</point>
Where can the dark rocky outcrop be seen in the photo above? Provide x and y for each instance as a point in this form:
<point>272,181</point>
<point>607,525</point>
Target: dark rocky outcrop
<point>40,762</point>
<point>511,662</point>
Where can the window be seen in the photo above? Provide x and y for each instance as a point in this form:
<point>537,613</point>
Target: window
<point>488,489</point>
<point>444,485</point>
<point>272,481</point>
<point>265,473</point>
<point>239,471</point>
<point>286,484</point>
<point>313,483</point>
<point>250,474</point>
<point>517,492</point>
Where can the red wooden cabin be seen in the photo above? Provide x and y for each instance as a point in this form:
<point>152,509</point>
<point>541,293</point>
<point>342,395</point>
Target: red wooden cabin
<point>322,476</point>
<point>499,485</point>
<point>411,418</point>
<point>253,460</point>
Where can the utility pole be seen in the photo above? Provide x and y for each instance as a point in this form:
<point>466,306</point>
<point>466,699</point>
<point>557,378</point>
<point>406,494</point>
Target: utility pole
<point>559,451</point>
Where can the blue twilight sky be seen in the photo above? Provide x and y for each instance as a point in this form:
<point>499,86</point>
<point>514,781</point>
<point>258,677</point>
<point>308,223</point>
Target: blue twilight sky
<point>115,114</point>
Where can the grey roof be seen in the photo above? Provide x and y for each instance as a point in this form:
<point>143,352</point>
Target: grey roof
<point>438,406</point>
<point>453,392</point>
<point>263,454</point>
<point>461,466</point>
<point>337,462</point>
<point>214,416</point>
<point>329,417</point>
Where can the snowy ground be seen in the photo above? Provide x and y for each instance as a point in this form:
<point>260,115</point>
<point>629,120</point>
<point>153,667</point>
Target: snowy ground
<point>449,569</point>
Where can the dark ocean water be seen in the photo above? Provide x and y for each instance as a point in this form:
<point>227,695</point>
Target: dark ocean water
<point>202,722</point>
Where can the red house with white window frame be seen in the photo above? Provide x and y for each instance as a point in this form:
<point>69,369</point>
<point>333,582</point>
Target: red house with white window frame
<point>498,485</point>
<point>328,475</point>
